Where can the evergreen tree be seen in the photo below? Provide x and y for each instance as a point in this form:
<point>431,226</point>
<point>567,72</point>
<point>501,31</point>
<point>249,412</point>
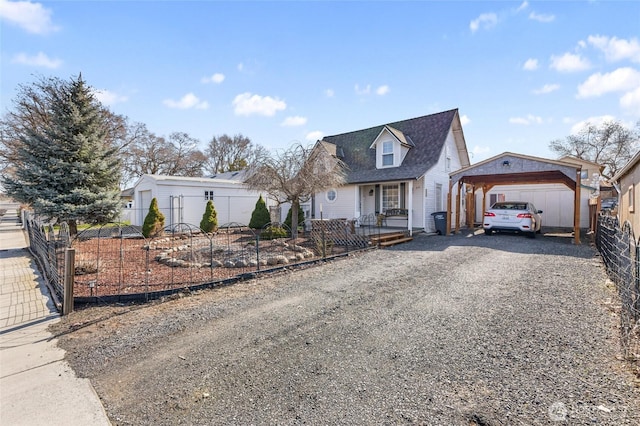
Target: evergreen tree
<point>260,216</point>
<point>66,169</point>
<point>154,221</point>
<point>209,222</point>
<point>287,220</point>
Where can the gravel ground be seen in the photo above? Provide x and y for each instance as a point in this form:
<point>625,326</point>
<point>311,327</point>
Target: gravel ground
<point>464,330</point>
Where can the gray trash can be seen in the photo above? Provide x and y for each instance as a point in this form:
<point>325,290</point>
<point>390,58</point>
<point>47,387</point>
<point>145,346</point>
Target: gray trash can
<point>440,219</point>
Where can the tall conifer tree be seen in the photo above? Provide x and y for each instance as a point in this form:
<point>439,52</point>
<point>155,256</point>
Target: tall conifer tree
<point>67,170</point>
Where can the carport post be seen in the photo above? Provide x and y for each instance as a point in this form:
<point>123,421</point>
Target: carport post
<point>576,208</point>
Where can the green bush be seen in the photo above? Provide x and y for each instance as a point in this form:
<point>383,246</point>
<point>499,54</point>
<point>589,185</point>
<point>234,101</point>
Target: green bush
<point>287,221</point>
<point>273,232</point>
<point>209,222</point>
<point>154,221</point>
<point>260,216</point>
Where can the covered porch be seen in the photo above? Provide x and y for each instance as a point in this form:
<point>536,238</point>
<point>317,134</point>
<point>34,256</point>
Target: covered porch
<point>382,207</point>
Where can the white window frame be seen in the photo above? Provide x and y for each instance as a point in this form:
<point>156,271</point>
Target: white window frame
<point>387,151</point>
<point>384,203</point>
<point>208,195</point>
<point>632,199</point>
<point>329,198</point>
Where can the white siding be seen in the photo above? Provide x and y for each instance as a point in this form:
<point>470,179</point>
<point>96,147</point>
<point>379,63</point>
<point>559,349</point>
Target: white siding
<point>344,206</point>
<point>439,174</point>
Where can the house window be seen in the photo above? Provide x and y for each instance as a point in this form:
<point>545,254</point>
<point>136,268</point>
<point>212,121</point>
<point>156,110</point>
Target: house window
<point>448,164</point>
<point>390,197</point>
<point>387,153</point>
<point>631,199</point>
<point>208,195</point>
<point>332,195</point>
<point>584,174</point>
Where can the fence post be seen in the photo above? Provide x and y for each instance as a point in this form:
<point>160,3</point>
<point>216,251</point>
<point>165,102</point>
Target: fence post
<point>69,272</point>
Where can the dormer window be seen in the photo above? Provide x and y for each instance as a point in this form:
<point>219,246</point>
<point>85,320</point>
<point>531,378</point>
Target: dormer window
<point>387,153</point>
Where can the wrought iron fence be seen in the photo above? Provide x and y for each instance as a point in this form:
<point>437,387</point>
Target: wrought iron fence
<point>620,251</point>
<point>115,262</point>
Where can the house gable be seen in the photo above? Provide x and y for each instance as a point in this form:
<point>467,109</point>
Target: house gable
<point>391,146</point>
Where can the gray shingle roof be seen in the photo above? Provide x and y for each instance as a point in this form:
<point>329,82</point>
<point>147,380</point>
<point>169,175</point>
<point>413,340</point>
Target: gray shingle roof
<point>428,135</point>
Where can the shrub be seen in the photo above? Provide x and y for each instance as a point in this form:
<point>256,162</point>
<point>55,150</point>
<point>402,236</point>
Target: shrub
<point>287,221</point>
<point>260,216</point>
<point>154,221</point>
<point>273,232</point>
<point>209,222</point>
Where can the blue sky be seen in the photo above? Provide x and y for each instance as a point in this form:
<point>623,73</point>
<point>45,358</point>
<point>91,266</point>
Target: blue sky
<point>520,73</point>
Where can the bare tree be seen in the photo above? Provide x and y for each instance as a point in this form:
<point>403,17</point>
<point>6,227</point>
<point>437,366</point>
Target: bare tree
<point>149,154</point>
<point>611,145</point>
<point>229,154</point>
<point>295,175</point>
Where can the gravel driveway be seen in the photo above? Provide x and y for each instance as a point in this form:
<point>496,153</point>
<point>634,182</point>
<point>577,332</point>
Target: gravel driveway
<point>461,330</point>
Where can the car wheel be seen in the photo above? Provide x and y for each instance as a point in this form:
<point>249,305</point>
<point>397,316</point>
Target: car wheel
<point>488,232</point>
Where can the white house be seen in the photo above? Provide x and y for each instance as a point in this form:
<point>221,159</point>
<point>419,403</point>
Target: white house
<point>183,199</point>
<point>399,169</point>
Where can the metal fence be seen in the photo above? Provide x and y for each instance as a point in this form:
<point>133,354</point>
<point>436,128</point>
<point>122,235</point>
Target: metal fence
<point>620,251</point>
<point>116,263</point>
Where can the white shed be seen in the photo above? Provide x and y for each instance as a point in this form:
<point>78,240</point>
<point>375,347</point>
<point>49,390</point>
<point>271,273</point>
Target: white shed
<point>183,199</point>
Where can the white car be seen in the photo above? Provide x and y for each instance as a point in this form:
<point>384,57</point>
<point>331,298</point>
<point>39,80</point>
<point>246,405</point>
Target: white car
<point>515,216</point>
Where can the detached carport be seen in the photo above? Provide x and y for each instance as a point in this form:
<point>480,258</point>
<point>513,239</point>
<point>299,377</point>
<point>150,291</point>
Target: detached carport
<point>514,169</point>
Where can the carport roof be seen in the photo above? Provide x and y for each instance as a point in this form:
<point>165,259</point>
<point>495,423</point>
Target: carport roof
<point>511,169</point>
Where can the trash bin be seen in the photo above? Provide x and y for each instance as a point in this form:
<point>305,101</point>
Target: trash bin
<point>440,219</point>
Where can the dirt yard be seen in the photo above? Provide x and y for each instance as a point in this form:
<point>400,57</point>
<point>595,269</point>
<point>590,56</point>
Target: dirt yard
<point>461,330</point>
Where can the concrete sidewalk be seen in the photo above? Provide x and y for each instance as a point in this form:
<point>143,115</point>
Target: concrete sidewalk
<point>37,387</point>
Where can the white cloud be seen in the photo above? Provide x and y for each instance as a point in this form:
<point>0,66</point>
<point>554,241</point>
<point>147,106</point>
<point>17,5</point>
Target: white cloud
<point>188,101</point>
<point>523,6</point>
<point>32,17</point>
<point>529,119</point>
<point>530,65</point>
<point>315,135</point>
<point>620,80</point>
<point>39,60</point>
<point>541,17</point>
<point>382,90</point>
<point>595,121</point>
<point>216,78</point>
<point>547,88</point>
<point>485,20</point>
<point>616,49</point>
<point>241,67</point>
<point>630,102</point>
<point>362,91</point>
<point>329,93</point>
<point>464,120</point>
<point>479,153</point>
<point>294,121</point>
<point>109,98</point>
<point>569,62</point>
<point>249,104</point>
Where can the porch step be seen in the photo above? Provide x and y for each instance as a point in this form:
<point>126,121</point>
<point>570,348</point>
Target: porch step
<point>386,240</point>
<point>396,241</point>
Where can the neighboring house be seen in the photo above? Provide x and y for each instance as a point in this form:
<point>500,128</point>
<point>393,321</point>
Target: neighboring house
<point>184,199</point>
<point>627,181</point>
<point>554,199</point>
<point>401,169</point>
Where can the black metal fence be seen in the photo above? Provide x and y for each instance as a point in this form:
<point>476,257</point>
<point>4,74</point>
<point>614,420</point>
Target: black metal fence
<point>116,263</point>
<point>620,251</point>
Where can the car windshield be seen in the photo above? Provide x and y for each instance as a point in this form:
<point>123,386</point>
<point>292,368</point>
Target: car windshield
<point>509,206</point>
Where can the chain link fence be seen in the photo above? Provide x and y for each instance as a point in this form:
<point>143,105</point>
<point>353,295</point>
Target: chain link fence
<point>620,252</point>
<point>116,263</point>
